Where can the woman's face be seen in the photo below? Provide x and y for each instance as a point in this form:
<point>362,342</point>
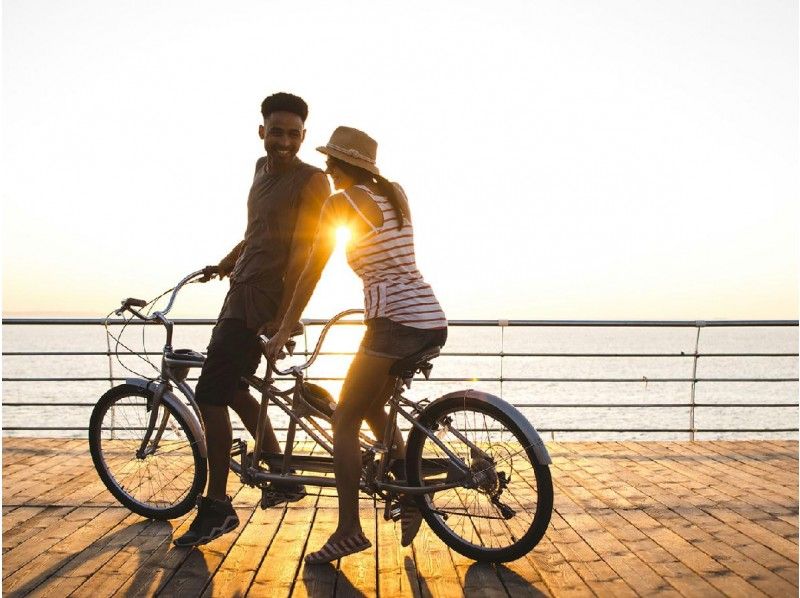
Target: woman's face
<point>340,179</point>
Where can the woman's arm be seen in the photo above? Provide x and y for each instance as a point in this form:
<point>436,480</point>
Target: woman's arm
<point>324,243</point>
<point>312,199</point>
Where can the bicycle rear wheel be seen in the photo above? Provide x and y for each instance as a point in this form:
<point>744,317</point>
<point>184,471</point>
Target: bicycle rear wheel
<point>165,483</point>
<point>506,512</point>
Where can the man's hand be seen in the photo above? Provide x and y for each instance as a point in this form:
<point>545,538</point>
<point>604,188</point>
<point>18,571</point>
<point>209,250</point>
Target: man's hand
<point>208,273</point>
<point>228,263</point>
<point>222,269</point>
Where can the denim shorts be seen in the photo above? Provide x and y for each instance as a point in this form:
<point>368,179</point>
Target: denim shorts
<point>385,338</point>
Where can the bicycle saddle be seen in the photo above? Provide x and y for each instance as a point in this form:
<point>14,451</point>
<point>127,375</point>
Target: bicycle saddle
<point>406,367</point>
<point>185,357</point>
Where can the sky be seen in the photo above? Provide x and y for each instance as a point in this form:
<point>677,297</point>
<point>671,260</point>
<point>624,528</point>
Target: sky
<point>564,160</point>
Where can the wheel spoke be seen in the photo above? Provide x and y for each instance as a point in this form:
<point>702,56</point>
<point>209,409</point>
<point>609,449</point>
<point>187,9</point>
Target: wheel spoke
<point>502,471</point>
<point>165,479</point>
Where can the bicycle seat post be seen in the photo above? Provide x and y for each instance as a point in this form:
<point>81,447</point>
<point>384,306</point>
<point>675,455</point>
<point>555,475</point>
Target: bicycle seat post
<point>389,444</point>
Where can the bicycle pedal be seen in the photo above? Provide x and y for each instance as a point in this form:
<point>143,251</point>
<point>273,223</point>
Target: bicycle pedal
<point>392,512</point>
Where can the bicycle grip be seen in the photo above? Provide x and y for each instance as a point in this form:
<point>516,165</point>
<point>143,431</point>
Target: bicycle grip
<point>134,302</point>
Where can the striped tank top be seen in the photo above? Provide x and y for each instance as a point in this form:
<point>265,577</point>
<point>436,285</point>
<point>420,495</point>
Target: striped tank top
<point>384,260</point>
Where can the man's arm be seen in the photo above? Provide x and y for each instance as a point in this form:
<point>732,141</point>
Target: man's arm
<point>227,263</point>
<point>312,198</point>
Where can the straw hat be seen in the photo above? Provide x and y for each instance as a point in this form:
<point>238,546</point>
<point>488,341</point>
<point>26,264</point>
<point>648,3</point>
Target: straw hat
<point>354,147</point>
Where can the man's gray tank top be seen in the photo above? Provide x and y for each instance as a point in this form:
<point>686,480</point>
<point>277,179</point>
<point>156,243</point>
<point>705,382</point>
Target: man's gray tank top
<point>272,207</point>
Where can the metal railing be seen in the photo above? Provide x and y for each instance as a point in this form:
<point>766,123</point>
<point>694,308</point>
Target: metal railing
<point>693,380</point>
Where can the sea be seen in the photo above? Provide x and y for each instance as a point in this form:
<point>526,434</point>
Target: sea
<point>564,397</point>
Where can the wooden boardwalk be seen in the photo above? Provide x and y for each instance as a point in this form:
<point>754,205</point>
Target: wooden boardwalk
<point>631,519</point>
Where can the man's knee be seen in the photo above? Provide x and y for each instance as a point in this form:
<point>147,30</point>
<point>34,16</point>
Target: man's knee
<point>241,398</point>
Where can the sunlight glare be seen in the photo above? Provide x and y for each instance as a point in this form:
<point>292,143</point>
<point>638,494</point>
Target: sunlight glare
<point>342,236</point>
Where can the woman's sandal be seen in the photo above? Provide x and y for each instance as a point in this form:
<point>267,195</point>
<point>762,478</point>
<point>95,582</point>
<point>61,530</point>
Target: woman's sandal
<point>335,550</point>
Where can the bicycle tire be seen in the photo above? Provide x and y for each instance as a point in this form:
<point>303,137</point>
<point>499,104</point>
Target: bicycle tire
<point>161,486</point>
<point>481,536</point>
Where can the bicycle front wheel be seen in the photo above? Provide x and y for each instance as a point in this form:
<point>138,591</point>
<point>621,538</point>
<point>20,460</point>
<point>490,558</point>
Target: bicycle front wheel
<point>502,510</point>
<point>164,480</point>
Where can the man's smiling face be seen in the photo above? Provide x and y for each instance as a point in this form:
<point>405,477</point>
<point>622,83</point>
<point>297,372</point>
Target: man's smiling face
<point>283,133</point>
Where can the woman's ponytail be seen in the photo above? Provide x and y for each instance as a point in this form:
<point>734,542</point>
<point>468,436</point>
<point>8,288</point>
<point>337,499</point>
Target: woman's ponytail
<point>390,192</point>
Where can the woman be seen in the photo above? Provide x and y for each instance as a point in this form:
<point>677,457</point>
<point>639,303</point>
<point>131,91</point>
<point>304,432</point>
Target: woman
<point>401,313</point>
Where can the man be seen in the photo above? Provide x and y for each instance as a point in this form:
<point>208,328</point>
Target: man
<point>283,209</point>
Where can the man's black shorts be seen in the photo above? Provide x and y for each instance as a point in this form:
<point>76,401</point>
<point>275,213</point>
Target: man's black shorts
<point>234,351</point>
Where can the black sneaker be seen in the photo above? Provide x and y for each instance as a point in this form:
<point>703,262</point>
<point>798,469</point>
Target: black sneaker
<point>214,518</point>
<point>273,494</point>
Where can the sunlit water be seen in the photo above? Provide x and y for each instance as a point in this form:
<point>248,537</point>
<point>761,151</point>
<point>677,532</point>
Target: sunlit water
<point>538,396</point>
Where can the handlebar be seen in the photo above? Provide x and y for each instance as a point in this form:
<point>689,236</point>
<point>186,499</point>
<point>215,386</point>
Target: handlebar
<point>158,315</point>
<point>296,369</point>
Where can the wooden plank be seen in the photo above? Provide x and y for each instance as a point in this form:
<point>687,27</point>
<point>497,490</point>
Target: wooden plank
<point>397,573</point>
<point>358,572</point>
<point>201,563</point>
<point>716,486</point>
<point>38,536</point>
<point>757,532</point>
<point>154,572</point>
<point>318,580</point>
<point>128,567</point>
<point>781,481</point>
<point>480,577</point>
<point>684,550</point>
<point>54,548</point>
<point>237,570</point>
<point>632,570</point>
<point>18,516</point>
<point>277,573</point>
<point>597,574</point>
<point>33,472</point>
<point>708,542</point>
<point>690,508</point>
<point>76,571</point>
<point>437,574</point>
<point>725,474</point>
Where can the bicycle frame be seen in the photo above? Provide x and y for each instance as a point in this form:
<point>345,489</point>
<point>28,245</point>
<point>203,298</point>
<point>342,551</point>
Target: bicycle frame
<point>299,412</point>
<point>255,474</point>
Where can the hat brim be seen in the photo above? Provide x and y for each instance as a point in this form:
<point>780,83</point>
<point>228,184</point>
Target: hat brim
<point>368,166</point>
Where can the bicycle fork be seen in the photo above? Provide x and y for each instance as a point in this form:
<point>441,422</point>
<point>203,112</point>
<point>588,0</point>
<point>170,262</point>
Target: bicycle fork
<point>145,450</point>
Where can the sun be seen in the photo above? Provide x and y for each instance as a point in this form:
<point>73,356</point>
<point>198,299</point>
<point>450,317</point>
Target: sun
<point>342,235</point>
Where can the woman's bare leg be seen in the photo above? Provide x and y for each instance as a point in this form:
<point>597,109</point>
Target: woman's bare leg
<point>366,379</point>
<point>377,418</point>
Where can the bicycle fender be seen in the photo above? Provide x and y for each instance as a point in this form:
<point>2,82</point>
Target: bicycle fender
<point>539,449</point>
<point>179,406</point>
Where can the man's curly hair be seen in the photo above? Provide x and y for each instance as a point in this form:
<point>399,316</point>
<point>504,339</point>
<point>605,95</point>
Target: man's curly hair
<point>284,102</point>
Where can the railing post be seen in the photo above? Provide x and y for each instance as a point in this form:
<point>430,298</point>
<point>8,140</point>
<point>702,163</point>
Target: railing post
<point>502,324</point>
<point>111,381</point>
<point>692,428</point>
